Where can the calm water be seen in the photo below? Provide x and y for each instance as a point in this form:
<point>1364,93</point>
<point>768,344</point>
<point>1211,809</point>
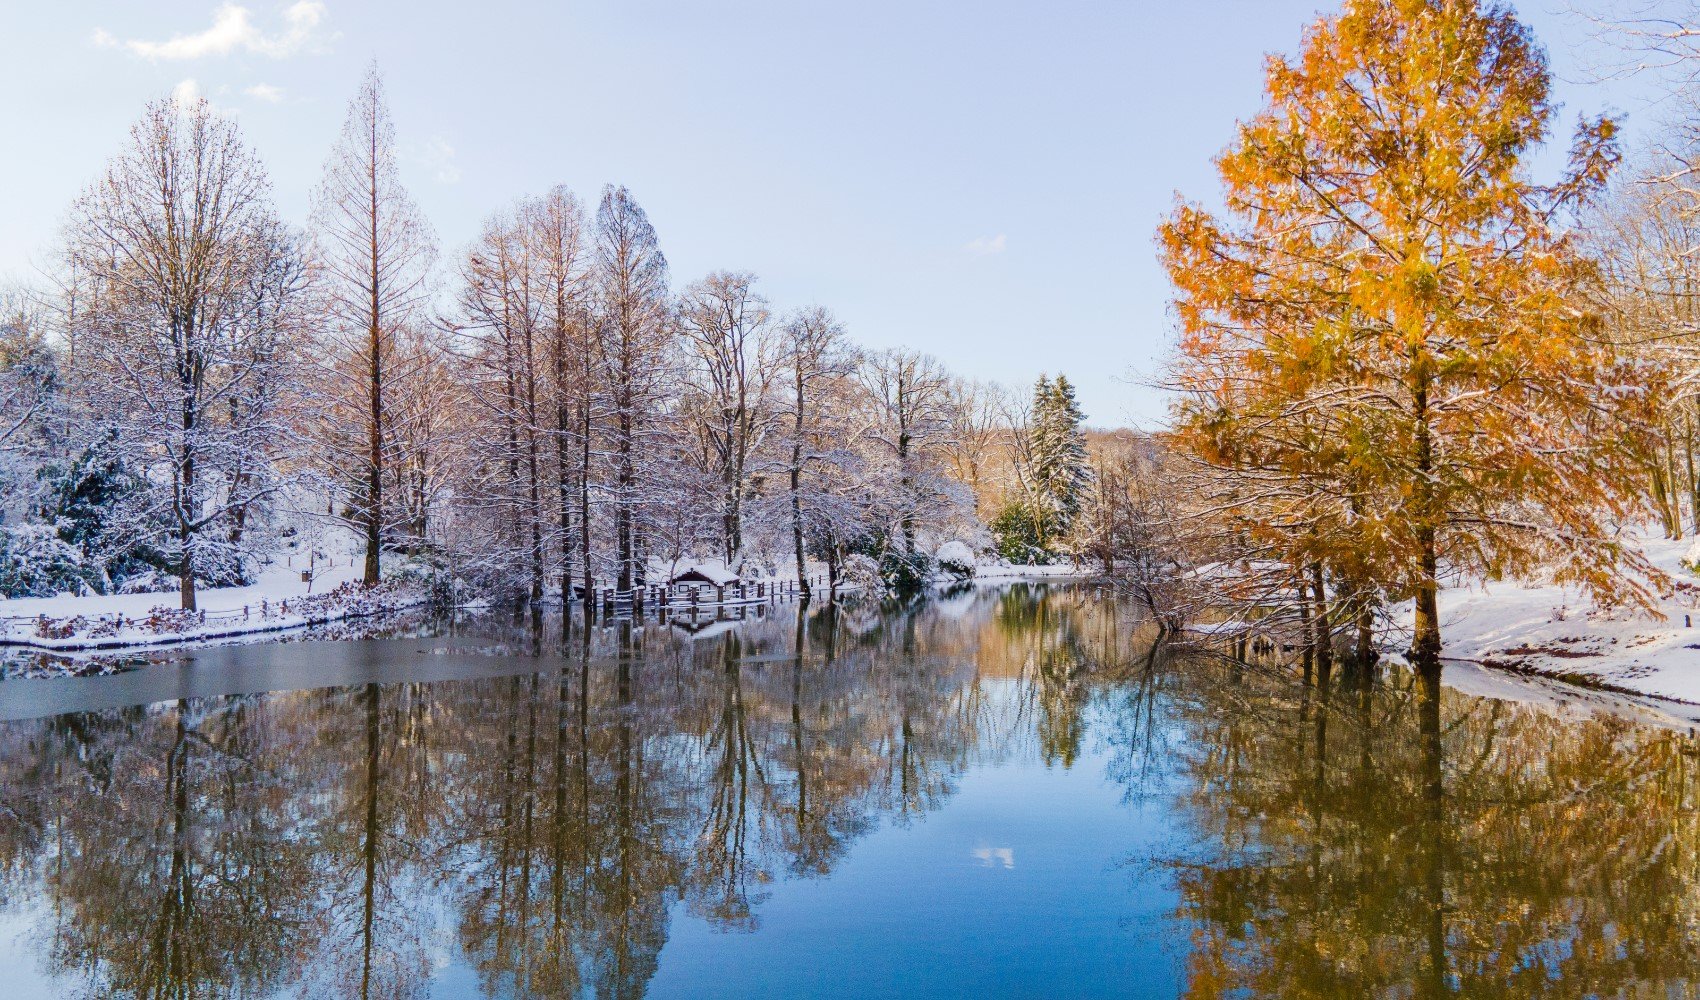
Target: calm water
<point>1009,792</point>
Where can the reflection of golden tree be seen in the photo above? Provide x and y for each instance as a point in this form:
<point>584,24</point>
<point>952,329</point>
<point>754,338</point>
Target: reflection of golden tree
<point>1362,843</point>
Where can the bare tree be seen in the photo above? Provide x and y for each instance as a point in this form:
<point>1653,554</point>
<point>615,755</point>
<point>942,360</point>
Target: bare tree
<point>186,343</point>
<point>633,343</point>
<point>815,358</point>
<point>558,235</point>
<point>502,299</point>
<point>911,392</point>
<point>724,324</point>
<point>377,251</point>
<point>978,412</point>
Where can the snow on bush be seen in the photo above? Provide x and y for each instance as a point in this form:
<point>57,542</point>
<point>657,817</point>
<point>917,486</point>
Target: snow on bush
<point>956,559</point>
<point>35,562</point>
<point>1691,558</point>
<point>862,572</point>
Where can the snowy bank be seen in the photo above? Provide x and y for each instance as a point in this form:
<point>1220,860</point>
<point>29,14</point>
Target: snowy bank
<point>279,600</point>
<point>1015,571</point>
<point>1555,632</point>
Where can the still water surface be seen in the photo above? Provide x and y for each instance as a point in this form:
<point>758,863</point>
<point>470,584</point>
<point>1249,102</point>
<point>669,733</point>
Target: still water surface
<point>1006,792</point>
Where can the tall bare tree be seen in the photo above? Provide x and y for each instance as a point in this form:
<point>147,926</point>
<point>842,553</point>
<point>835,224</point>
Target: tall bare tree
<point>911,393</point>
<point>558,238</point>
<point>816,358</point>
<point>377,251</point>
<point>503,297</point>
<point>633,344</point>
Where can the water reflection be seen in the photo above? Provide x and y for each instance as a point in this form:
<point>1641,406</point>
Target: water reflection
<point>1380,841</point>
<point>548,833</point>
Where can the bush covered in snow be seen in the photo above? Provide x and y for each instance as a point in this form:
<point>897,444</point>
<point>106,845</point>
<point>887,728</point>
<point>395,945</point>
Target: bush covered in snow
<point>100,508</point>
<point>36,562</point>
<point>862,573</point>
<point>955,559</point>
<point>905,573</point>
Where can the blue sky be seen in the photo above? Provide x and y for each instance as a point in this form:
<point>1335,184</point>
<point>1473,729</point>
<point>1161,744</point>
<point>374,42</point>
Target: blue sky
<point>977,180</point>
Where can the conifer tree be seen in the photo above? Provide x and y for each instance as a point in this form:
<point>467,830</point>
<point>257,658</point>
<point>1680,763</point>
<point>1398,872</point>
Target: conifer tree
<point>1059,466</point>
<point>1390,329</point>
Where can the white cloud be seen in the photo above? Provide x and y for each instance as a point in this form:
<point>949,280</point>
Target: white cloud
<point>265,92</point>
<point>185,94</point>
<point>987,245</point>
<point>232,30</point>
<point>437,156</point>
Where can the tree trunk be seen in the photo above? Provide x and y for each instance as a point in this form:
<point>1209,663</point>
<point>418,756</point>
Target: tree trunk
<point>186,505</point>
<point>1425,639</point>
<point>796,490</point>
<point>1693,481</point>
<point>624,541</point>
<point>375,428</point>
<point>1322,627</point>
<point>584,509</point>
<point>1366,638</point>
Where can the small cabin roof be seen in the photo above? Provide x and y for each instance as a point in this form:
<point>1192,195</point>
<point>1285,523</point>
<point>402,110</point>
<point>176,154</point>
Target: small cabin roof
<point>713,574</point>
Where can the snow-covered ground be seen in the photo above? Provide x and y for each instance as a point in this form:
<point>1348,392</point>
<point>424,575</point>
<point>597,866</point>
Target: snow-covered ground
<point>1557,632</point>
<point>278,600</point>
<point>1015,571</point>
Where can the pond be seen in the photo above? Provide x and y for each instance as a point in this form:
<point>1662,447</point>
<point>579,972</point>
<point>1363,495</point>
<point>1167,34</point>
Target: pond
<point>1015,791</point>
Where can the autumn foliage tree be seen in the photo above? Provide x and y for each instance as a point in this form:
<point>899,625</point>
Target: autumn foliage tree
<point>1389,330</point>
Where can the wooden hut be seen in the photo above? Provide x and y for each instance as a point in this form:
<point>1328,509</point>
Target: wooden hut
<point>704,575</point>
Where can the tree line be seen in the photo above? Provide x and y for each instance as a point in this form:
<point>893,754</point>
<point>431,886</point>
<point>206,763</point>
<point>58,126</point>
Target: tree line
<point>542,411</point>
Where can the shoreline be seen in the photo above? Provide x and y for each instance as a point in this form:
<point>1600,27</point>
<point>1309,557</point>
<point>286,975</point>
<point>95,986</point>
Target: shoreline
<point>113,623</point>
<point>1554,632</point>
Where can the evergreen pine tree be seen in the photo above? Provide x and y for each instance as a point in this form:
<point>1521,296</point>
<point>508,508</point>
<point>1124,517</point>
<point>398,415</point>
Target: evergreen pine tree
<point>1060,472</point>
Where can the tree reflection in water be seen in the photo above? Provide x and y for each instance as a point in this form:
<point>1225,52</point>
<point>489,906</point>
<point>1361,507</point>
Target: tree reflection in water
<point>1385,839</point>
<point>543,830</point>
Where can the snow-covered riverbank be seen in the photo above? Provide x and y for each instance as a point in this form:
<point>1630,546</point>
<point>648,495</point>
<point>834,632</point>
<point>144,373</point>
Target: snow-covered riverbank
<point>1555,632</point>
<point>1000,572</point>
<point>278,601</point>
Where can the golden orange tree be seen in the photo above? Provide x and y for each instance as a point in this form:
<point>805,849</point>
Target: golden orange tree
<point>1387,341</point>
